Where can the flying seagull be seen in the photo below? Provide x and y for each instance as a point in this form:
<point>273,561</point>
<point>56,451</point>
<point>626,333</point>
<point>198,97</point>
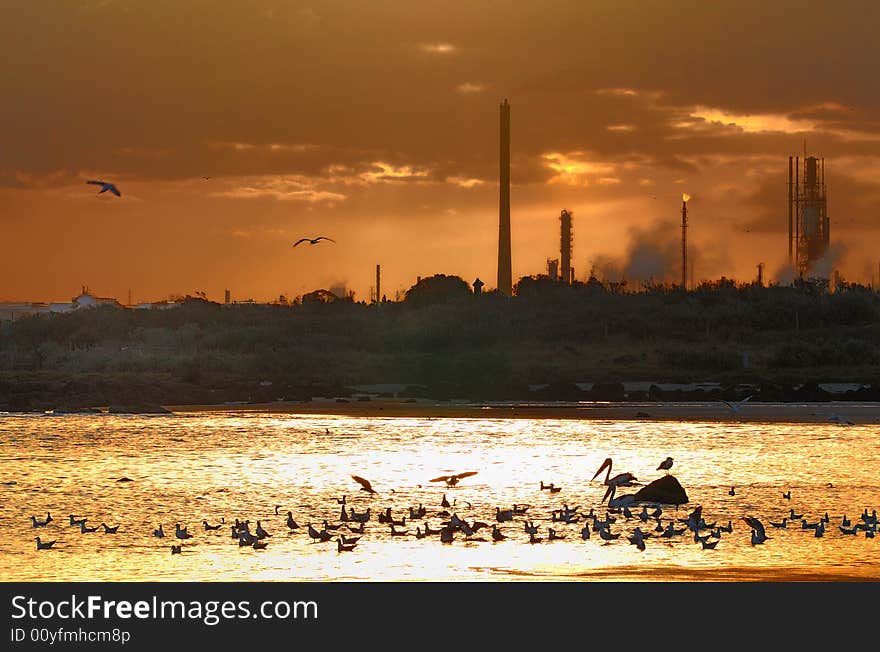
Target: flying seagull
<point>364,483</point>
<point>736,406</point>
<point>452,480</point>
<point>105,186</point>
<point>312,240</point>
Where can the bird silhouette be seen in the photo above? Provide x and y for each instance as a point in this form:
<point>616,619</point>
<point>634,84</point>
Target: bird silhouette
<point>364,483</point>
<point>312,240</point>
<point>105,186</point>
<point>452,480</point>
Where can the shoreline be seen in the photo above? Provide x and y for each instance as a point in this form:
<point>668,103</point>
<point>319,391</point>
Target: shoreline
<point>858,413</point>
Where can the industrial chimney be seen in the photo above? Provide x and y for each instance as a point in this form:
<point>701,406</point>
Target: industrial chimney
<point>505,273</point>
<point>565,245</point>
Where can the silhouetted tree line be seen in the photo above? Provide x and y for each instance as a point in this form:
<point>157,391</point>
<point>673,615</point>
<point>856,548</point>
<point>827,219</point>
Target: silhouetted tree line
<point>455,342</point>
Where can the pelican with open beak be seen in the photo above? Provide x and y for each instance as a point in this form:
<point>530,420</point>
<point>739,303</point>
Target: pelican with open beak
<point>619,480</point>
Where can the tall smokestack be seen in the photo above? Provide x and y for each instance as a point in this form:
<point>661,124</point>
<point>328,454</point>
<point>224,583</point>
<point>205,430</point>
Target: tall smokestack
<point>565,245</point>
<point>790,209</point>
<point>684,242</point>
<point>505,274</point>
<point>378,284</point>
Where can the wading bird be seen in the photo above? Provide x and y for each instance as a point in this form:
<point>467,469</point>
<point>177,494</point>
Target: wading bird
<point>452,480</point>
<point>313,240</point>
<point>105,186</point>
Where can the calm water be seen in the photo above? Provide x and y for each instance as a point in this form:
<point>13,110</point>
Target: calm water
<point>190,467</point>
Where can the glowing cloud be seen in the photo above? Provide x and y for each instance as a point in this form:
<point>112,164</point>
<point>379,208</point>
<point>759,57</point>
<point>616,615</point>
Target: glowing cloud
<point>438,48</point>
<point>470,88</point>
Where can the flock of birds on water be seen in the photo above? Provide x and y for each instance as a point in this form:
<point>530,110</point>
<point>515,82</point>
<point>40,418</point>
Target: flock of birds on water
<point>107,186</point>
<point>349,525</point>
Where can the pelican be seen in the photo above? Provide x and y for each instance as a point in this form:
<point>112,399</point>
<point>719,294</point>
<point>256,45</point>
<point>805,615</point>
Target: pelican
<point>365,484</point>
<point>41,545</point>
<point>160,532</point>
<point>620,480</point>
<point>452,480</point>
<point>293,525</point>
<point>105,186</point>
<point>665,465</point>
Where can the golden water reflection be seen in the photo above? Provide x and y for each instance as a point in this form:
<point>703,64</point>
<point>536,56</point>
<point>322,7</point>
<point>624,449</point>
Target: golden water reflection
<point>190,467</point>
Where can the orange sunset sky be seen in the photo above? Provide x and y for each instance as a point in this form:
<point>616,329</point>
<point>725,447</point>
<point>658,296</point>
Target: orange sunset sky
<point>376,124</point>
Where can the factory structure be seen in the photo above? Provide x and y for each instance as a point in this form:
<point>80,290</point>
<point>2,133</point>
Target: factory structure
<point>809,228</point>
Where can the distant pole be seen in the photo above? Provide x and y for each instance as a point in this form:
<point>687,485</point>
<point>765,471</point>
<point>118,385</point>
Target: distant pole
<point>761,274</point>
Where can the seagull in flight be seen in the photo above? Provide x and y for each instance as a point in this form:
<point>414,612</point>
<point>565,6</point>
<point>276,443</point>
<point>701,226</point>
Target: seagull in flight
<point>364,483</point>
<point>736,406</point>
<point>312,240</point>
<point>105,186</point>
<point>452,480</point>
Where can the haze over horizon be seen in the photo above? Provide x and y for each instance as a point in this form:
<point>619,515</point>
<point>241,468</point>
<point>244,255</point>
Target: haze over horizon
<point>377,125</point>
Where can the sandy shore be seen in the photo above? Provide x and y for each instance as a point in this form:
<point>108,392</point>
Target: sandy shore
<point>858,413</point>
